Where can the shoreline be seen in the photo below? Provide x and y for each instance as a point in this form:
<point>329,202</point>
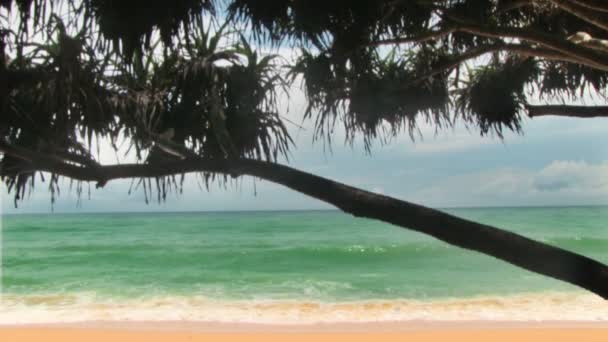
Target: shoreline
<point>321,327</point>
<point>74,308</point>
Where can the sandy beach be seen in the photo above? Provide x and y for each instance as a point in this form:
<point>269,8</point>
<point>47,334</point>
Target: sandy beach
<point>397,331</point>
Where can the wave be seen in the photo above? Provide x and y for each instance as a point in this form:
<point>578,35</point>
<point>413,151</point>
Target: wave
<point>78,307</point>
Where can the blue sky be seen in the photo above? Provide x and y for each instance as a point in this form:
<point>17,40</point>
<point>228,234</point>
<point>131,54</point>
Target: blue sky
<point>557,161</point>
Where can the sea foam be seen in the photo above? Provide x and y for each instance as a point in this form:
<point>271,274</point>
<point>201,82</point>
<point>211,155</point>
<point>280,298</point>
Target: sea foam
<point>65,308</point>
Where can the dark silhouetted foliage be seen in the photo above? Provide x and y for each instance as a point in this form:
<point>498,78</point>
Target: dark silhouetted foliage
<point>192,73</point>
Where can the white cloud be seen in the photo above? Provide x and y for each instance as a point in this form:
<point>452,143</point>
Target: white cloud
<point>573,176</point>
<point>378,190</point>
<point>558,183</point>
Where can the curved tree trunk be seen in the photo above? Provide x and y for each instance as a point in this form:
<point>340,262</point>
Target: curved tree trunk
<point>513,248</point>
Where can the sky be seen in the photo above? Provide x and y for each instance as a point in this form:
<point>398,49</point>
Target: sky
<point>556,161</point>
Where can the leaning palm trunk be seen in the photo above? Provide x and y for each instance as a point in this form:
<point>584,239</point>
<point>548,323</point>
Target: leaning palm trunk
<point>513,248</point>
<point>518,250</point>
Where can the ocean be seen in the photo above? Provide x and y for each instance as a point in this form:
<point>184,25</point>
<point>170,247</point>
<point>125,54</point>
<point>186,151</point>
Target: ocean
<point>283,267</point>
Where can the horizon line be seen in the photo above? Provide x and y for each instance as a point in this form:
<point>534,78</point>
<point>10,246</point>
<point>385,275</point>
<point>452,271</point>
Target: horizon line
<point>290,210</point>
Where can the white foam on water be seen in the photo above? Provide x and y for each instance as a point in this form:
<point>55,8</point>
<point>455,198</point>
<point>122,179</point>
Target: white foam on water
<point>67,308</point>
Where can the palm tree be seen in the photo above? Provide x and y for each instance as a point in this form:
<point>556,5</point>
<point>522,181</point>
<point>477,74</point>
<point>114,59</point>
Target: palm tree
<point>191,95</point>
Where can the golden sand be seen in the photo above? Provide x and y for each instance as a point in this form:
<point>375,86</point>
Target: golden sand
<point>91,335</point>
<point>431,332</point>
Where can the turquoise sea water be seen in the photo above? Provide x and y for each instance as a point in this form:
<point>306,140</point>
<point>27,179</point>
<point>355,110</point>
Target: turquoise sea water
<point>254,257</point>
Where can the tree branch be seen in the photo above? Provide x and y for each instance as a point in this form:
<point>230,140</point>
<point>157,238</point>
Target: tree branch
<point>584,39</point>
<point>485,49</point>
<point>583,55</point>
<point>555,48</point>
<point>507,246</point>
<point>598,5</point>
<point>482,50</point>
<point>506,6</point>
<point>588,15</point>
<point>430,35</point>
<point>565,110</point>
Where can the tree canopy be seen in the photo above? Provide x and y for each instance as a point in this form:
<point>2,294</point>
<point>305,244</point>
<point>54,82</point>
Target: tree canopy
<point>187,85</point>
<point>77,69</point>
